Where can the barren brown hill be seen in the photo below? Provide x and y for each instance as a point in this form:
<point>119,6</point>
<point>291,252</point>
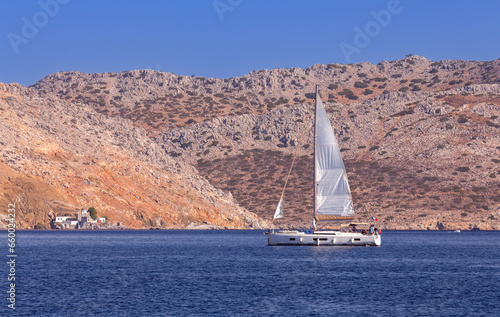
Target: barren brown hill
<point>56,157</point>
<point>414,159</point>
<point>420,140</point>
<point>159,101</point>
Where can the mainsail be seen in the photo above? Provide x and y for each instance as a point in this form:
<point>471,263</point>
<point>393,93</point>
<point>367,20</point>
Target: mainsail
<point>332,194</point>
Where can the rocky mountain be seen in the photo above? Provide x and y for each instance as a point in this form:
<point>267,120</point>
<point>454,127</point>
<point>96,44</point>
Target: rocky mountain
<point>161,101</point>
<point>420,140</point>
<point>57,156</point>
<point>415,160</point>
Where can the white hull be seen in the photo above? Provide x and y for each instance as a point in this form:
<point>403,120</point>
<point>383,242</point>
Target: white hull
<point>327,238</point>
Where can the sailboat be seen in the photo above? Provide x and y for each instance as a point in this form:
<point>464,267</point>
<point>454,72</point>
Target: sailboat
<point>332,196</point>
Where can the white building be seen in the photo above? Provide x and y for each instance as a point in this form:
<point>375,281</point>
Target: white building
<point>61,219</point>
<point>82,220</point>
<point>71,223</point>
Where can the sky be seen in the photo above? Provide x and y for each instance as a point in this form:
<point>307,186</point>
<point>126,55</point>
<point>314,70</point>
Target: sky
<point>229,38</point>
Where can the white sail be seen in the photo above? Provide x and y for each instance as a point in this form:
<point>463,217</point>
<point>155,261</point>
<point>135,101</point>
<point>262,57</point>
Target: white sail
<point>279,210</point>
<point>333,196</point>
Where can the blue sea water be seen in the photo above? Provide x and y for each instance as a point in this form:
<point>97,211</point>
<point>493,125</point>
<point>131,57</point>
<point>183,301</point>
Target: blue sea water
<point>235,273</point>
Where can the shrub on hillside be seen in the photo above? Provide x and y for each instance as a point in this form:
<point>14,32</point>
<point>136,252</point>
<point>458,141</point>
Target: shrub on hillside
<point>402,113</point>
<point>93,213</point>
<point>359,84</point>
<point>345,92</point>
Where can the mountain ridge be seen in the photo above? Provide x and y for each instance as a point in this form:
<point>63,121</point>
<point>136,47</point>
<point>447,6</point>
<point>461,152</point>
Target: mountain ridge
<point>407,129</point>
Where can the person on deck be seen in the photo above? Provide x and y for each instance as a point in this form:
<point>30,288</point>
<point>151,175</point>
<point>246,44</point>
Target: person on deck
<point>353,228</point>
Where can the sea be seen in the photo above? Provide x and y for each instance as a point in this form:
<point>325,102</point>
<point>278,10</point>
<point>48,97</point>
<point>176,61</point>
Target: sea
<point>235,273</point>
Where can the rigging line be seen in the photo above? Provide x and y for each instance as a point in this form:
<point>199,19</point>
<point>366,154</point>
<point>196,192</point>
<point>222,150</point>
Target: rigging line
<point>291,166</point>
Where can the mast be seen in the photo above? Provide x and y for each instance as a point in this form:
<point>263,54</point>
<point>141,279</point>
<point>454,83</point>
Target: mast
<point>314,155</point>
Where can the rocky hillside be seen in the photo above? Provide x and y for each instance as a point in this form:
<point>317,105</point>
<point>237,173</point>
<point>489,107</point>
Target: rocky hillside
<point>414,159</point>
<point>161,101</point>
<point>420,140</point>
<point>56,157</point>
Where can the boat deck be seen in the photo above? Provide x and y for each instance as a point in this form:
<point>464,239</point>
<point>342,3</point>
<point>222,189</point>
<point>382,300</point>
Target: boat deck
<point>311,237</point>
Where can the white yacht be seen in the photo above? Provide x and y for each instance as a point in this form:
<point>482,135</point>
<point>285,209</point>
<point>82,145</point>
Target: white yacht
<point>332,196</point>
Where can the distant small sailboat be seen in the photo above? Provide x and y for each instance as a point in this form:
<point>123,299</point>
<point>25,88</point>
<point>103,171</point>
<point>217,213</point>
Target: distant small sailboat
<point>457,231</point>
<point>332,195</point>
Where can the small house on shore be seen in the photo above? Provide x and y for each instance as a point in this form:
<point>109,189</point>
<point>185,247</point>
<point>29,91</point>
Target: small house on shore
<point>82,220</point>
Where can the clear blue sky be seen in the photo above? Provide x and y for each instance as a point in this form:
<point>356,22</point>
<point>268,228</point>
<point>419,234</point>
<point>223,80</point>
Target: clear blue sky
<point>228,38</point>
